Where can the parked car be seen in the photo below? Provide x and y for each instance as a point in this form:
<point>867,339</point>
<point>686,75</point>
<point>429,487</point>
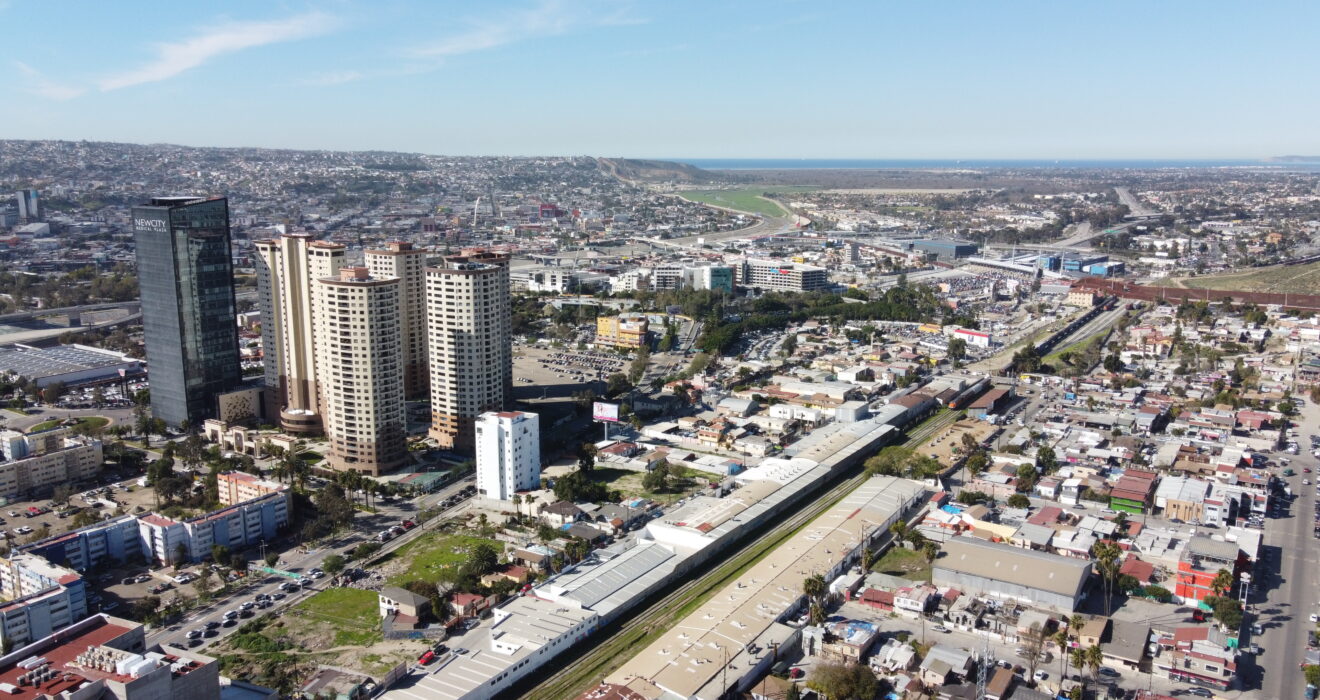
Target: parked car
<point>426,658</point>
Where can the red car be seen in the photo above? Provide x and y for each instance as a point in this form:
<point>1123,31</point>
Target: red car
<point>408,524</point>
<point>794,673</point>
<point>1306,470</point>
<point>426,658</point>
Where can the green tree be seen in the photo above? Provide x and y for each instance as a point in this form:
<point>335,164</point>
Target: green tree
<point>1018,500</point>
<point>1046,461</point>
<point>1312,673</point>
<point>657,479</point>
<point>617,384</point>
<point>957,349</point>
<point>1027,477</point>
<point>333,564</point>
<point>837,681</point>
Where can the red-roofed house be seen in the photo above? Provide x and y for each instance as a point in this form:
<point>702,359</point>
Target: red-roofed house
<point>1138,569</point>
<point>878,599</point>
<point>468,604</point>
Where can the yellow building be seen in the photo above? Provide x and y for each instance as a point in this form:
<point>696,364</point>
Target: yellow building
<point>624,331</point>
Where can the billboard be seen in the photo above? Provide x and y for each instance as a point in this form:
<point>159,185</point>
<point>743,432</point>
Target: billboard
<point>605,411</point>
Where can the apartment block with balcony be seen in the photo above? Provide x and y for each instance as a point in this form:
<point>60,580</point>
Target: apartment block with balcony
<point>237,487</point>
<point>286,267</point>
<point>469,334</point>
<point>360,370</point>
<point>400,259</point>
<point>34,464</point>
<point>40,598</point>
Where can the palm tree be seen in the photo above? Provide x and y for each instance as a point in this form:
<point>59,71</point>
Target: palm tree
<point>816,613</point>
<point>814,586</point>
<point>1095,657</point>
<point>1078,658</point>
<point>899,531</point>
<point>1222,582</point>
<point>517,505</point>
<point>1061,639</point>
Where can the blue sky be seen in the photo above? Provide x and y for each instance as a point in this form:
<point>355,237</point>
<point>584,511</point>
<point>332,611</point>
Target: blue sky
<point>679,78</point>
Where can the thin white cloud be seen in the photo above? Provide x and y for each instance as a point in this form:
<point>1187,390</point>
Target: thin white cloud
<point>39,84</point>
<point>334,78</point>
<point>173,59</point>
<point>546,18</point>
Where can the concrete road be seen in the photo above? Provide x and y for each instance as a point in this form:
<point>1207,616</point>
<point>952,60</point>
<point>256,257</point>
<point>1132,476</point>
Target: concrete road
<point>13,421</point>
<point>1291,587</point>
<point>297,561</point>
<point>1134,205</point>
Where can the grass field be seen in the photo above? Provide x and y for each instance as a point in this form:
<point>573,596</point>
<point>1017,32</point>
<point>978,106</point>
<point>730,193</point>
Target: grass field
<point>1055,357</point>
<point>353,613</point>
<point>905,563</point>
<point>1294,279</point>
<point>683,480</point>
<point>433,555</point>
<point>749,200</point>
<point>90,421</point>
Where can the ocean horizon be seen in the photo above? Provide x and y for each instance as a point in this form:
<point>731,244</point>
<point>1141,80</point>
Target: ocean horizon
<point>952,163</point>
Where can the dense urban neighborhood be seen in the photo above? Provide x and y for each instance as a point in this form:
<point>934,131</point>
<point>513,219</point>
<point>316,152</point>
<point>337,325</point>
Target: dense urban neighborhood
<point>315,424</point>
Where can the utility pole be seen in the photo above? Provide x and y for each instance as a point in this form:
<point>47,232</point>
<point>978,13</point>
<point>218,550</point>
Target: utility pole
<point>986,661</point>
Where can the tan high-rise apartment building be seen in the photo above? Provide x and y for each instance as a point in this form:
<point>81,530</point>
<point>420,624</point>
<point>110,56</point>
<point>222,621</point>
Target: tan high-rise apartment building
<point>286,267</point>
<point>402,260</point>
<point>469,330</point>
<point>359,369</point>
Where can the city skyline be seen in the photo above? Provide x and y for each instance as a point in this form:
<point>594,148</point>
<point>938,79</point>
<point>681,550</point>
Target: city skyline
<point>740,80</point>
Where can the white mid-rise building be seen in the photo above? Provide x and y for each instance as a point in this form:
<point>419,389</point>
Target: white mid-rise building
<point>508,453</point>
<point>359,370</point>
<point>771,275</point>
<point>35,463</point>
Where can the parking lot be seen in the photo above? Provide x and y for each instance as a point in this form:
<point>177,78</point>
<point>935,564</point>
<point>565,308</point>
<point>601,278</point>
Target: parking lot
<point>22,520</point>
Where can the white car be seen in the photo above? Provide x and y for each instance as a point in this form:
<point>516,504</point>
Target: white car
<point>1040,676</point>
<point>1315,617</point>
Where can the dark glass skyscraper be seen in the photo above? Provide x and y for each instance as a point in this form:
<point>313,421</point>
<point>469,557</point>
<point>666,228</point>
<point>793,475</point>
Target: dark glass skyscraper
<point>186,277</point>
